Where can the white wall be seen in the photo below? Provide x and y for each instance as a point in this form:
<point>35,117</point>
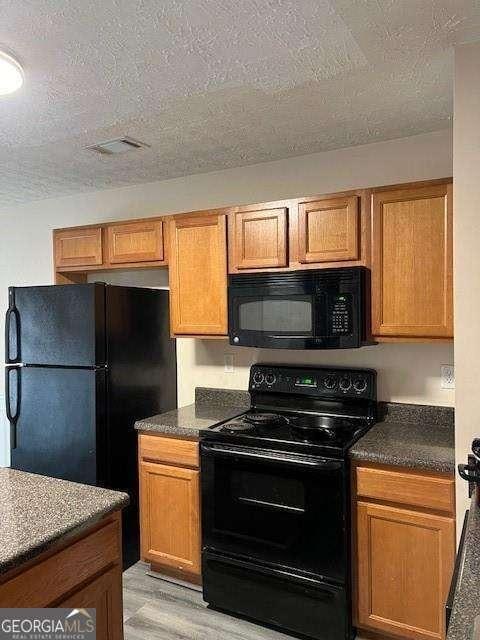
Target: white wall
<point>408,372</point>
<point>466,171</point>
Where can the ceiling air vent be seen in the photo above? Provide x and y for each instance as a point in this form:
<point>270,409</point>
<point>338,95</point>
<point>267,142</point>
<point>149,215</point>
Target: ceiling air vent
<point>119,145</point>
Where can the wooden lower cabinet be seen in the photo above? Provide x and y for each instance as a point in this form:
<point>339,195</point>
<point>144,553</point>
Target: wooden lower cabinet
<point>404,565</point>
<point>105,595</point>
<point>170,506</point>
<point>79,573</point>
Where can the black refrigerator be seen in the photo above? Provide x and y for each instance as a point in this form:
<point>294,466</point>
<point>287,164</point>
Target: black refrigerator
<point>83,362</point>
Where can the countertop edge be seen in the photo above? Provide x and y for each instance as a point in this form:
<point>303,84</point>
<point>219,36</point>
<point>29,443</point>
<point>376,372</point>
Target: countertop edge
<point>63,534</point>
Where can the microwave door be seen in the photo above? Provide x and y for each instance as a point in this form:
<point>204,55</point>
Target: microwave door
<point>275,320</point>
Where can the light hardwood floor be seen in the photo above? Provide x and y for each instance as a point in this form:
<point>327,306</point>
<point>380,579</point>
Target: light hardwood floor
<point>154,609</point>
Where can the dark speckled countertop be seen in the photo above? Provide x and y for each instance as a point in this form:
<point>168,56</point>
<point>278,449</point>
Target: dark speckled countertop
<point>37,511</point>
<point>415,436</point>
<point>466,603</point>
<point>211,407</point>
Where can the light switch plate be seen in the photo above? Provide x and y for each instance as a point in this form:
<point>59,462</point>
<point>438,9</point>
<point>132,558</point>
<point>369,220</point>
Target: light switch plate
<point>447,376</point>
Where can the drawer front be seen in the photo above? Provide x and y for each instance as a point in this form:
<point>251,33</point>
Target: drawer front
<point>407,487</point>
<point>48,580</point>
<point>169,450</point>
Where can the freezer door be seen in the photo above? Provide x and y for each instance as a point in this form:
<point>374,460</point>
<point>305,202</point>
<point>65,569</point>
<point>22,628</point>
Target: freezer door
<point>59,422</point>
<point>59,325</point>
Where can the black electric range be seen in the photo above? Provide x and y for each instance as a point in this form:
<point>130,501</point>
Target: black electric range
<point>276,499</point>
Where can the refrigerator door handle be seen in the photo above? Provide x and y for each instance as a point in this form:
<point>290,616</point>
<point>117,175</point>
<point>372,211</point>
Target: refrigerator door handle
<point>12,416</point>
<point>12,314</point>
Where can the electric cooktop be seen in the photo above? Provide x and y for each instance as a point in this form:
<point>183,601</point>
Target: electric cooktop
<point>320,411</point>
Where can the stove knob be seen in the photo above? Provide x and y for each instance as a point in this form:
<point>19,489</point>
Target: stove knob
<point>360,385</point>
<point>270,378</point>
<point>345,383</point>
<point>258,377</point>
<point>330,382</point>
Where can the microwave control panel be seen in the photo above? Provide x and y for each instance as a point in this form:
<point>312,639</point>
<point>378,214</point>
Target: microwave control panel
<point>340,315</point>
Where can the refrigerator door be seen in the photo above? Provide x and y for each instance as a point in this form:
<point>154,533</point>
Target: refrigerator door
<point>60,325</point>
<point>142,381</point>
<point>60,421</point>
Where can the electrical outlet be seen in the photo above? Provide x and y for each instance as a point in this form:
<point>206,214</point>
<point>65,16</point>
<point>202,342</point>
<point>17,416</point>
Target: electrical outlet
<point>228,360</point>
<point>447,374</point>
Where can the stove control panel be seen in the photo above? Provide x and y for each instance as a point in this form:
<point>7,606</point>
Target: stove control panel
<point>314,381</point>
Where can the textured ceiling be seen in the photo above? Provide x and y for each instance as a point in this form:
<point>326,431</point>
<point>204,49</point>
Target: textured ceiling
<point>211,84</point>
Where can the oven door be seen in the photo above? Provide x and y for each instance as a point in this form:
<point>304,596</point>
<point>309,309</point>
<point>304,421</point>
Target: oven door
<point>275,508</point>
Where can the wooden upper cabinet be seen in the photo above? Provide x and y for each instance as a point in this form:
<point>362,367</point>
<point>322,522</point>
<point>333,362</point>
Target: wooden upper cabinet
<point>412,262</point>
<point>198,274</point>
<point>140,241</point>
<point>259,239</point>
<point>329,230</point>
<point>405,562</point>
<point>81,247</point>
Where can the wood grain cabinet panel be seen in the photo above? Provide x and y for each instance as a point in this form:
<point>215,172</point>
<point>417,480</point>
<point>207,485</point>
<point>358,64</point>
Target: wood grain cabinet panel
<point>260,239</point>
<point>170,517</point>
<point>405,563</point>
<point>198,274</point>
<point>329,230</point>
<point>78,247</point>
<point>407,487</point>
<point>412,262</point>
<point>105,595</point>
<point>140,241</point>
<point>172,451</point>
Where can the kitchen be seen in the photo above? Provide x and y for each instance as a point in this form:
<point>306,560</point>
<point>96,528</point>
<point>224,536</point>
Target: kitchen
<point>382,209</point>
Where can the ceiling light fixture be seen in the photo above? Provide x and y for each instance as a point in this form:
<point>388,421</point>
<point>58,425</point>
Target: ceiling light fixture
<point>11,74</point>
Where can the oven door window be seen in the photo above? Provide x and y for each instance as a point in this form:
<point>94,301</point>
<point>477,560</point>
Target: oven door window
<point>288,315</point>
<point>282,514</point>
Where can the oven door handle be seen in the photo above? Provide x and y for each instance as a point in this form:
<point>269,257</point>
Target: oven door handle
<point>308,462</point>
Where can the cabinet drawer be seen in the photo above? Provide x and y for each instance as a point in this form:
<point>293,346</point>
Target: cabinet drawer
<point>407,487</point>
<point>169,450</point>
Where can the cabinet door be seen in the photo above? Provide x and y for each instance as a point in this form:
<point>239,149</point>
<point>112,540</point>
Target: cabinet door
<point>198,275</point>
<point>105,595</point>
<point>78,247</point>
<point>260,239</point>
<point>412,262</point>
<point>405,562</point>
<point>329,230</point>
<point>136,242</point>
<point>170,516</point>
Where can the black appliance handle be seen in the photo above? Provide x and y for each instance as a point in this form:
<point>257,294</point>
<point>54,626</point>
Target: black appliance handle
<point>308,462</point>
<point>12,417</point>
<point>12,312</point>
<point>468,472</point>
<point>476,448</point>
<point>269,571</point>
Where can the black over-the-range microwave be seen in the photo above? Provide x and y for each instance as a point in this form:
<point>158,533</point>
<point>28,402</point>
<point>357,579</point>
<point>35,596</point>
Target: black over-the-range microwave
<point>311,309</point>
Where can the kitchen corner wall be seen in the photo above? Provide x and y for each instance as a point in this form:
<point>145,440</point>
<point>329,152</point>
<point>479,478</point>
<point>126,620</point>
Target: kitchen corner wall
<point>408,373</point>
<point>466,169</point>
